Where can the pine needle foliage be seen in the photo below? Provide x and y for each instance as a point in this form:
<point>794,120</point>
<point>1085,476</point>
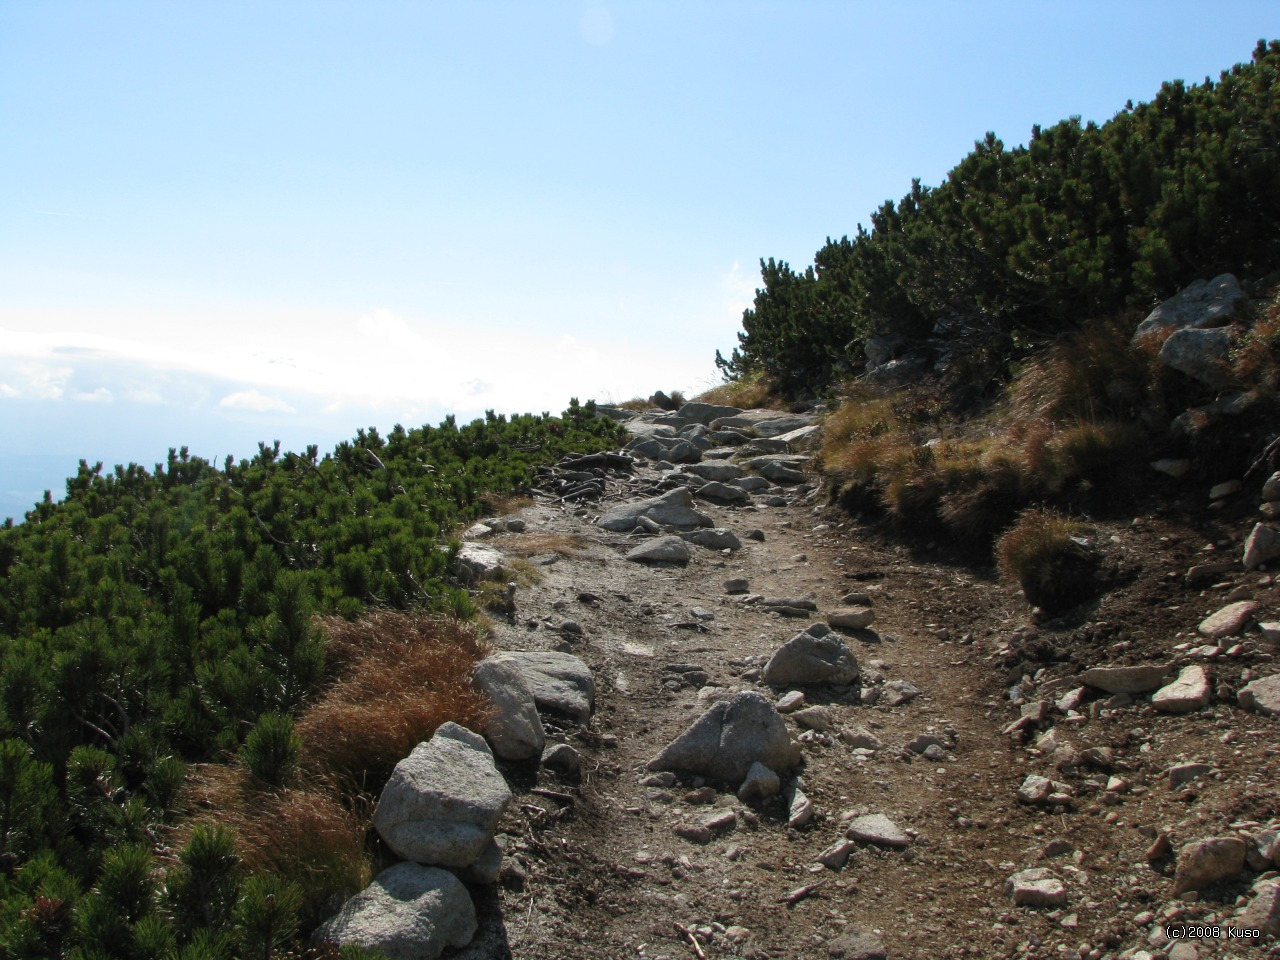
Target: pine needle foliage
<point>160,619</point>
<point>1017,246</point>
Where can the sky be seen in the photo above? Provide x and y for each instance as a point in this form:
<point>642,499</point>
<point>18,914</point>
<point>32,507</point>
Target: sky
<point>230,222</point>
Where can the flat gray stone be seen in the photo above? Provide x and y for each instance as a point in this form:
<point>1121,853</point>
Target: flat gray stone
<point>780,468</point>
<point>802,438</point>
<point>725,741</point>
<point>726,494</point>
<point>752,484</point>
<point>514,729</point>
<point>779,427</point>
<point>672,449</point>
<point>442,803</point>
<point>669,549</point>
<point>851,618</point>
<point>1138,679</point>
<point>1228,621</point>
<point>716,470</point>
<point>409,912</point>
<point>1262,695</point>
<point>1191,691</point>
<point>705,413</point>
<point>807,658</point>
<point>673,509</point>
<point>878,830</point>
<point>560,682</point>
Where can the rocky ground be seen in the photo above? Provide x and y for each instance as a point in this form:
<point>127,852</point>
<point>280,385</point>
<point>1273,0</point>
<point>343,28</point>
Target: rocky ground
<point>619,860</point>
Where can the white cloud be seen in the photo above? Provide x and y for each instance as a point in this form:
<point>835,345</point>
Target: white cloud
<point>33,380</point>
<point>255,401</point>
<point>380,363</point>
<point>100,395</point>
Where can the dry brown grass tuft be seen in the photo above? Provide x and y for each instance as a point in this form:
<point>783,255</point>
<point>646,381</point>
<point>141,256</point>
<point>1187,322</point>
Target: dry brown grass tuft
<point>305,835</point>
<point>1050,557</point>
<point>749,392</point>
<point>1094,374</point>
<point>635,403</point>
<point>499,505</point>
<point>1256,361</point>
<point>399,677</point>
<point>533,544</point>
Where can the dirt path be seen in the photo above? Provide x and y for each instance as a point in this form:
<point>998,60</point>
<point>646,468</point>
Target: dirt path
<point>596,869</point>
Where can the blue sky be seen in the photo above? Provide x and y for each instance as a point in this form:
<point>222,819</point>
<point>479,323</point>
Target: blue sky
<point>229,222</point>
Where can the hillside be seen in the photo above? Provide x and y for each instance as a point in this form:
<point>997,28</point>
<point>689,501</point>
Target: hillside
<point>966,571</point>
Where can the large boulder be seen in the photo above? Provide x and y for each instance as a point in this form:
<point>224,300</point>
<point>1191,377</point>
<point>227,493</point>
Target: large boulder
<point>722,493</point>
<point>802,438</point>
<point>715,470</point>
<point>706,412</point>
<point>673,509</point>
<point>1199,354</point>
<point>442,803</point>
<point>780,468</point>
<point>675,449</point>
<point>477,562</point>
<point>660,550</point>
<point>409,912</point>
<point>814,656</point>
<point>1205,862</point>
<point>560,682</point>
<point>717,538</point>
<point>725,741</point>
<point>514,729</point>
<point>780,426</point>
<point>1205,303</point>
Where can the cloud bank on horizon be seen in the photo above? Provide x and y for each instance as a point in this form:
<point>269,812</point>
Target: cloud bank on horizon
<point>411,370</point>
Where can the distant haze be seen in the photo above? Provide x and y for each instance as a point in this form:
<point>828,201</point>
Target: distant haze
<point>239,222</point>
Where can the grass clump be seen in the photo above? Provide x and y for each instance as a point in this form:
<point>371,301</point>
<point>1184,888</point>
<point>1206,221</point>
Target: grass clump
<point>400,675</point>
<point>1051,558</point>
<point>1072,419</point>
<point>748,392</point>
